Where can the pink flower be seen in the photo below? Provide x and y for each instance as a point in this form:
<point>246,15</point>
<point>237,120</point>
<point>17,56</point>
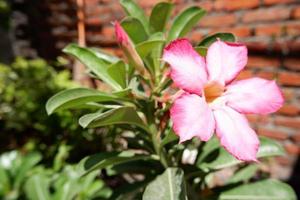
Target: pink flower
<point>213,101</point>
<point>121,35</point>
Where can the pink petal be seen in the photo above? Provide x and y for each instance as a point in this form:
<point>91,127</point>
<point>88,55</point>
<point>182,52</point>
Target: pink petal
<point>121,35</point>
<point>254,96</point>
<point>187,66</point>
<point>225,61</point>
<point>235,134</point>
<point>192,117</point>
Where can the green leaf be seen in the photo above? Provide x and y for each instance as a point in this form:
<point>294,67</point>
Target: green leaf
<point>262,190</point>
<point>37,187</point>
<point>223,159</point>
<point>228,37</point>
<point>169,138</point>
<point>72,98</point>
<point>185,21</point>
<point>133,10</point>
<point>145,48</point>
<point>118,72</point>
<point>104,56</point>
<point>167,186</point>
<point>135,29</point>
<point>28,162</point>
<point>93,62</point>
<point>106,159</point>
<point>4,181</point>
<point>243,174</point>
<point>121,115</point>
<point>160,15</point>
<point>201,50</point>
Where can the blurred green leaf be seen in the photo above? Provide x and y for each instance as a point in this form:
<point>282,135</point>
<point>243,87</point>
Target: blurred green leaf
<point>185,21</point>
<point>106,159</point>
<point>135,29</point>
<point>4,181</point>
<point>167,186</point>
<point>170,137</point>
<point>92,62</point>
<point>223,159</point>
<point>160,15</point>
<point>201,50</point>
<point>72,98</point>
<point>121,115</point>
<point>105,56</point>
<point>133,10</point>
<point>262,190</point>
<point>37,187</point>
<point>206,42</point>
<point>243,174</point>
<point>145,48</point>
<point>118,72</point>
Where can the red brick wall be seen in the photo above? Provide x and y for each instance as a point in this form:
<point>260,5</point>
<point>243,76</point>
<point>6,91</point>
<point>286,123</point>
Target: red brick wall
<point>270,28</point>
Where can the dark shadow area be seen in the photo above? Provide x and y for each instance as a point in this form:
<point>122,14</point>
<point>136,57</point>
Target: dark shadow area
<point>295,178</point>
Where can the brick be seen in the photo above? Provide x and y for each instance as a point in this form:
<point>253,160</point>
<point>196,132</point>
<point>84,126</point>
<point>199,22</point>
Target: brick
<point>296,137</point>
<point>289,109</point>
<point>270,30</point>
<point>236,5</point>
<point>263,62</point>
<point>289,78</point>
<point>207,5</point>
<point>240,31</point>
<point>245,74</point>
<point>293,29</point>
<point>271,2</point>
<point>292,63</point>
<point>148,3</point>
<point>196,37</point>
<point>108,31</point>
<point>270,14</point>
<point>275,134</point>
<point>266,75</point>
<point>284,160</point>
<point>288,94</point>
<point>296,12</point>
<point>290,122</point>
<point>218,20</point>
<point>291,148</point>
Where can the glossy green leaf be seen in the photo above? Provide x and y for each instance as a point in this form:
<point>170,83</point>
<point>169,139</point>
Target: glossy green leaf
<point>167,186</point>
<point>37,187</point>
<point>104,55</point>
<point>262,190</point>
<point>121,115</point>
<point>160,15</point>
<point>135,29</point>
<point>93,63</point>
<point>243,174</point>
<point>185,21</point>
<point>228,37</point>
<point>223,159</point>
<point>118,72</point>
<point>106,159</point>
<point>145,48</point>
<point>133,10</point>
<point>78,96</point>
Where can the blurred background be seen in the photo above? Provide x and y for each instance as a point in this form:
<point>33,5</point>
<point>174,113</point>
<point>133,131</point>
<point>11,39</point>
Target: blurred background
<point>33,68</point>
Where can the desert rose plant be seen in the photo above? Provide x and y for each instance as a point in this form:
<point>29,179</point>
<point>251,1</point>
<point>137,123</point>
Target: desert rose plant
<point>166,100</point>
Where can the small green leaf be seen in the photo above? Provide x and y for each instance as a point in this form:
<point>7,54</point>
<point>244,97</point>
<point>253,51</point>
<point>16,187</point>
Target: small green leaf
<point>201,50</point>
<point>167,186</point>
<point>169,138</point>
<point>106,159</point>
<point>37,187</point>
<point>228,37</point>
<point>121,115</point>
<point>185,21</point>
<point>72,98</point>
<point>145,48</point>
<point>134,29</point>
<point>243,174</point>
<point>93,62</point>
<point>262,190</point>
<point>133,10</point>
<point>223,159</point>
<point>118,72</point>
<point>160,15</point>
